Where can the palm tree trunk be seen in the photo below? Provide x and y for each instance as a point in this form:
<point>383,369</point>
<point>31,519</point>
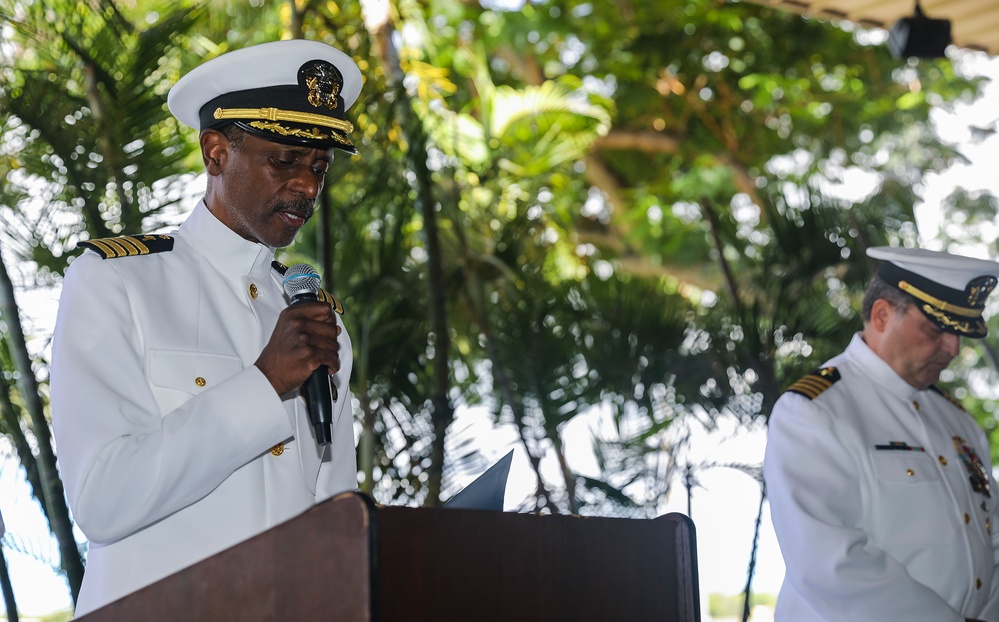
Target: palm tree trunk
<point>443,410</point>
<point>748,591</point>
<point>8,589</point>
<point>366,444</point>
<point>381,28</point>
<point>54,501</point>
<point>297,26</point>
<point>324,240</point>
<point>567,474</point>
<point>502,379</point>
<point>110,148</point>
<point>475,298</point>
<point>10,424</point>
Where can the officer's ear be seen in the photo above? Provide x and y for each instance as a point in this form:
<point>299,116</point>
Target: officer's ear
<point>881,313</point>
<point>213,151</point>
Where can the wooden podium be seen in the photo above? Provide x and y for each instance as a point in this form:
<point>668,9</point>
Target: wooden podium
<point>348,559</point>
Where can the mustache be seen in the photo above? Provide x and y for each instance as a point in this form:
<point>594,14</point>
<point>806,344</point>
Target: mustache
<point>303,208</point>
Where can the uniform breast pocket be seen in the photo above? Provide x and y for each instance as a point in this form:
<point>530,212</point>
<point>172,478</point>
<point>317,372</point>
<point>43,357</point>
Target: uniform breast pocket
<point>911,503</point>
<point>176,376</point>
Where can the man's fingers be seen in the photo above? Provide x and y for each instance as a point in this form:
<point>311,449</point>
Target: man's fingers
<point>304,338</point>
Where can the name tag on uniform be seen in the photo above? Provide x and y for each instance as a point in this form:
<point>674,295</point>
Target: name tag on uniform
<point>898,446</point>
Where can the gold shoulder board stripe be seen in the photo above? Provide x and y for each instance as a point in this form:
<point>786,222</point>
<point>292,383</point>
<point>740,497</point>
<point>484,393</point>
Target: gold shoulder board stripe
<point>815,383</point>
<point>324,295</point>
<point>947,396</point>
<point>129,245</point>
<point>327,297</point>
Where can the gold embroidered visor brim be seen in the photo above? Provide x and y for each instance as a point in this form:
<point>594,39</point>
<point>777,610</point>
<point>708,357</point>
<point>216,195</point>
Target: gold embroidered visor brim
<point>969,328</point>
<point>295,132</point>
<point>954,318</point>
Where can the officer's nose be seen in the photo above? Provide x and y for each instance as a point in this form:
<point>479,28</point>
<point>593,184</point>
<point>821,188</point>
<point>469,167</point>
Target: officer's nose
<point>308,184</point>
<point>951,344</point>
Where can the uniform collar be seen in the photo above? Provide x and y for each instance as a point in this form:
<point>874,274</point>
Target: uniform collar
<point>221,246</point>
<point>879,370</point>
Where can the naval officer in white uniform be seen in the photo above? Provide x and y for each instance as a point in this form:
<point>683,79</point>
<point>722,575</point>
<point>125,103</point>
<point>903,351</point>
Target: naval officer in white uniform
<point>177,361</point>
<point>880,484</point>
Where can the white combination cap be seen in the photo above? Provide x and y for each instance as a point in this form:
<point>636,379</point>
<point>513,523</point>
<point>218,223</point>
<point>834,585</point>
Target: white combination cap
<point>293,92</point>
<point>950,289</point>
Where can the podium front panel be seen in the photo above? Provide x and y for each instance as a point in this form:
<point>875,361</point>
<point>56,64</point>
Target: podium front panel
<point>444,564</point>
<point>348,560</point>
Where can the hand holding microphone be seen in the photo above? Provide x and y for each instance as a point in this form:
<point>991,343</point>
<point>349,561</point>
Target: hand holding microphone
<point>303,350</point>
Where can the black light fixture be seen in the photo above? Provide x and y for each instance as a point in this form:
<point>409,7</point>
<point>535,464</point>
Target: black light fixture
<point>919,36</point>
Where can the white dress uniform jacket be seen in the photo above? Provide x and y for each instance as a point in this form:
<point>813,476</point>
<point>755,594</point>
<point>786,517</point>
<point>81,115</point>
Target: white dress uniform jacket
<point>872,498</point>
<point>163,424</point>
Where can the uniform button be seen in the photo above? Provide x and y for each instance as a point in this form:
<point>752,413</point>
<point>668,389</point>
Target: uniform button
<point>942,460</point>
<point>978,584</point>
<point>200,381</point>
<point>988,525</point>
<point>253,291</point>
<point>915,404</point>
<point>278,449</point>
<point>910,472</point>
<point>967,519</point>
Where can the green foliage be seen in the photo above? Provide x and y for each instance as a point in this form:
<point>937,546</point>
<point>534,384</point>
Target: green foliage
<point>90,148</point>
<point>730,605</point>
<point>57,616</point>
<point>641,208</point>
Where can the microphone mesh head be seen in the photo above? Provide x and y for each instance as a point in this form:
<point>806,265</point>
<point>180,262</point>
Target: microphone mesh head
<point>300,279</point>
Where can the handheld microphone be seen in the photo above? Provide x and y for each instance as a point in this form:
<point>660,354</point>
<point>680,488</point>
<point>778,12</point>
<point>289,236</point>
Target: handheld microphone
<point>301,283</point>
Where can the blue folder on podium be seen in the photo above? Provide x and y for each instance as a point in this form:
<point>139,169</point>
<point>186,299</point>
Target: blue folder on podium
<point>487,491</point>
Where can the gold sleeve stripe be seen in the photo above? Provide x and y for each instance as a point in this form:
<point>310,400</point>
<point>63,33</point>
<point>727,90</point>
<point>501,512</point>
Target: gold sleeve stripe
<point>129,246</point>
<point>120,249</point>
<point>104,248</point>
<point>331,300</point>
<point>139,247</point>
<point>812,384</point>
<point>815,383</point>
<point>810,392</point>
